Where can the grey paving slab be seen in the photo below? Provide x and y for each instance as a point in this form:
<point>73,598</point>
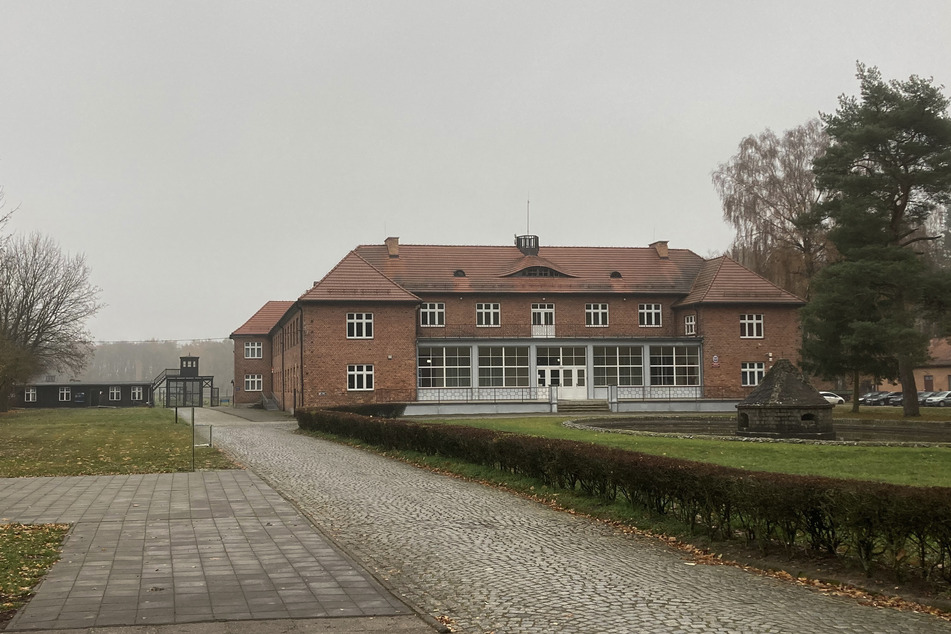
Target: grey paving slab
<point>492,562</point>
<point>179,548</point>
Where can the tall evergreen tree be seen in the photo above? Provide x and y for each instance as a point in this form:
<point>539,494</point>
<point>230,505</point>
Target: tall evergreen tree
<point>884,176</point>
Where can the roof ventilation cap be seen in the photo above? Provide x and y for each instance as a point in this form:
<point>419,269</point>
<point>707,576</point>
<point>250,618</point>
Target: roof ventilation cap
<point>528,245</point>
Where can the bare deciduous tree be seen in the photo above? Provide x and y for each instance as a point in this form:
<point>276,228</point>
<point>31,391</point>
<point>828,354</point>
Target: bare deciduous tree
<point>4,218</point>
<point>45,299</point>
<point>768,193</point>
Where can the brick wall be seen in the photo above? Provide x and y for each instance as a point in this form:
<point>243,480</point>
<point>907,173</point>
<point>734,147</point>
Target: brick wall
<point>286,361</point>
<point>720,329</point>
<point>328,352</point>
<point>516,315</point>
<point>244,366</point>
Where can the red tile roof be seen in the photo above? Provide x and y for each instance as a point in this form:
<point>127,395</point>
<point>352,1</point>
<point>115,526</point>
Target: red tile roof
<point>493,269</point>
<point>264,320</point>
<point>353,279</point>
<point>725,281</point>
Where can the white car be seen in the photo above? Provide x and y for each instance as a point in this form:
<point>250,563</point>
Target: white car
<point>835,399</point>
<point>937,399</point>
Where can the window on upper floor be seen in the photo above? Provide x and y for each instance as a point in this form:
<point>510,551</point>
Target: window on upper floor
<point>359,325</point>
<point>360,377</point>
<point>253,350</point>
<point>751,326</point>
<point>690,324</point>
<point>432,314</point>
<point>596,315</point>
<point>543,314</point>
<point>649,315</point>
<point>752,373</point>
<point>488,315</point>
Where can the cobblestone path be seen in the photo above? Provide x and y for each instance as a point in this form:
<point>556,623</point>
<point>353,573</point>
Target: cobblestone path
<point>493,562</point>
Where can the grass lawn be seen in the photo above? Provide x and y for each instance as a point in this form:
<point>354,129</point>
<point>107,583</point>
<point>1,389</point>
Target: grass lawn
<point>917,466</point>
<point>92,441</point>
<point>26,553</point>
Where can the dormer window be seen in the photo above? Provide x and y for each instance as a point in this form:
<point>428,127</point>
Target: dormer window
<point>615,275</point>
<point>458,273</point>
<point>539,271</point>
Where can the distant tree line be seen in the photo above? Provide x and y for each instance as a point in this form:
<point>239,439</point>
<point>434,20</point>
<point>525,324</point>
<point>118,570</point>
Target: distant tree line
<point>144,360</point>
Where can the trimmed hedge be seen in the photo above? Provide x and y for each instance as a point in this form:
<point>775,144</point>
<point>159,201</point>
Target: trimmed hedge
<point>899,527</point>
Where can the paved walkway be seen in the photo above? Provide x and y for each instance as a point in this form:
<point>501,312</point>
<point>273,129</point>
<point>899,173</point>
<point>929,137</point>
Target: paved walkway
<point>192,547</point>
<point>493,562</point>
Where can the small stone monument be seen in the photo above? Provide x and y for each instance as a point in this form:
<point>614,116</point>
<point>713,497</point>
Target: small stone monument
<point>784,405</point>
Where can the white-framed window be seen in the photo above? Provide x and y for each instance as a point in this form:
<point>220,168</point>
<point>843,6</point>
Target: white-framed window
<point>543,314</point>
<point>752,372</point>
<point>29,395</point>
<point>596,315</point>
<point>65,394</point>
<point>253,383</point>
<point>488,315</point>
<point>136,392</point>
<point>690,324</point>
<point>444,366</point>
<point>359,325</point>
<point>360,377</point>
<point>618,365</point>
<point>675,365</point>
<point>649,315</point>
<point>115,393</point>
<point>432,314</point>
<point>253,350</point>
<point>503,366</point>
<point>751,326</point>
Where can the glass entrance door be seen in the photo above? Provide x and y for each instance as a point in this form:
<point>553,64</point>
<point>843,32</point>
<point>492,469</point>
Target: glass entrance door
<point>570,381</point>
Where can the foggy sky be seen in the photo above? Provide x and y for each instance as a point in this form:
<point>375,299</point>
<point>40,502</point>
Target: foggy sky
<point>210,156</point>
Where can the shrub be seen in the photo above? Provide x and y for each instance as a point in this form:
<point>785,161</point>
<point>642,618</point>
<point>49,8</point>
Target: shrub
<point>899,527</point>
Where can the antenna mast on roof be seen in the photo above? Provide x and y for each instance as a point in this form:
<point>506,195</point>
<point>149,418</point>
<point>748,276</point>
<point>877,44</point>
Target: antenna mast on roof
<point>528,217</point>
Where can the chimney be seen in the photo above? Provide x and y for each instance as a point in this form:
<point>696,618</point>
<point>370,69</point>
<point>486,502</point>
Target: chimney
<point>393,247</point>
<point>661,247</point>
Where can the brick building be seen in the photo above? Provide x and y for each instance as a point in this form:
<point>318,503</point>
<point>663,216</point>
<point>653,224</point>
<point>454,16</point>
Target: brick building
<point>519,328</point>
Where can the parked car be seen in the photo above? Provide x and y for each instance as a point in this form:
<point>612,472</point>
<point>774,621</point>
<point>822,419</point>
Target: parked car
<point>879,398</point>
<point>937,399</point>
<point>894,399</point>
<point>868,396</point>
<point>835,399</point>
<point>923,395</point>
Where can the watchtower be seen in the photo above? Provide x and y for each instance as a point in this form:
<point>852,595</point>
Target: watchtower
<point>188,366</point>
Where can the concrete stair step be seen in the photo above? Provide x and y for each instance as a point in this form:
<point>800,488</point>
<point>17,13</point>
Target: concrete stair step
<point>583,406</point>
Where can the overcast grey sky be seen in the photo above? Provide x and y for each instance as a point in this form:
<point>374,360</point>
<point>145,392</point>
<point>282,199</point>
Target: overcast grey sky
<point>210,156</point>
